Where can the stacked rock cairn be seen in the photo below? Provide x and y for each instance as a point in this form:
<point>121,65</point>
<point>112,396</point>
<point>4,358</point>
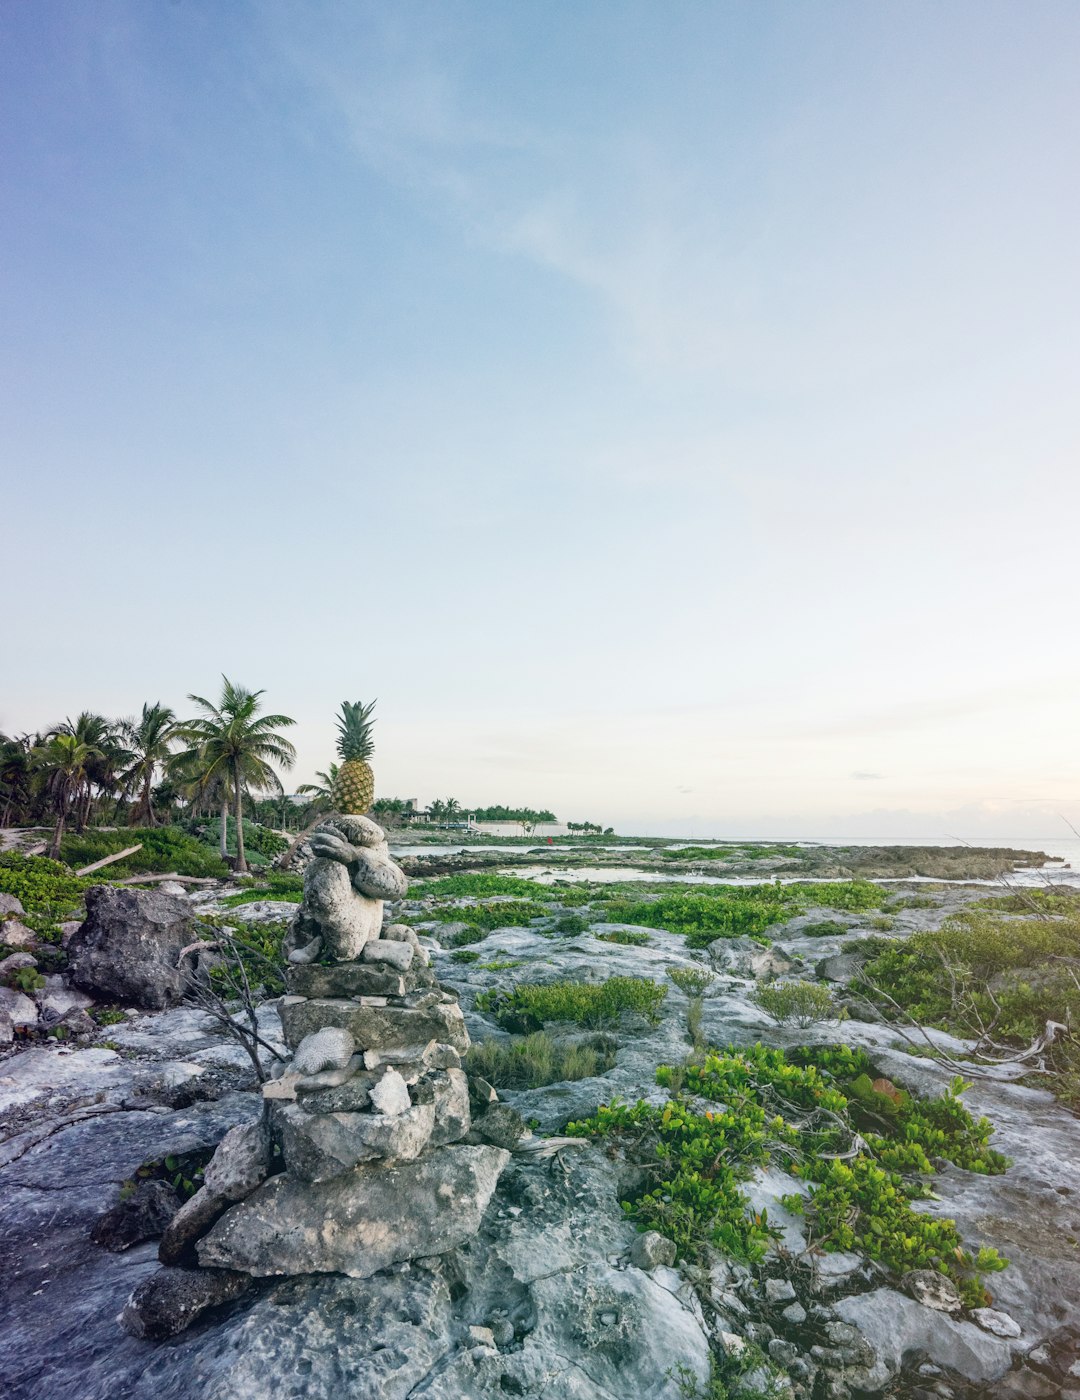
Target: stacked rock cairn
<point>368,1116</point>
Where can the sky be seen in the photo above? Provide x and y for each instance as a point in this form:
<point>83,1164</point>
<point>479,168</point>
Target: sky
<point>669,412</point>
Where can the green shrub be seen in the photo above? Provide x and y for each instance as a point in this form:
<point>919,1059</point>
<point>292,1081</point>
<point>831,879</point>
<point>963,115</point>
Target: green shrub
<point>464,955</point>
<point>826,928</point>
<point>691,980</point>
<point>166,850</point>
<point>512,913</point>
<point>882,922</point>
<point>733,911</point>
<point>44,887</point>
<point>536,1060</point>
<point>463,937</point>
<point>631,937</point>
<point>911,901</point>
<point>795,1003</point>
<point>479,886</point>
<point>801,1112</point>
<point>261,845</point>
<point>981,968</point>
<point>568,924</point>
<point>591,1004</point>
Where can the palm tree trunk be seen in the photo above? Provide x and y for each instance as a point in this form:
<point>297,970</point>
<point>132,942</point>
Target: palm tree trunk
<point>223,847</point>
<point>58,833</point>
<point>148,804</point>
<point>238,798</point>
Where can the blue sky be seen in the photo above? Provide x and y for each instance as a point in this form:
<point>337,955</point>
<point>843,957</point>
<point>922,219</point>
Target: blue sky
<point>668,411</point>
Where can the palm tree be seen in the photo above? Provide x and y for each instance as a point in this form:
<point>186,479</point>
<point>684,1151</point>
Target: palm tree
<point>63,762</point>
<point>322,792</point>
<point>105,758</point>
<point>150,738</point>
<point>16,773</point>
<point>233,746</point>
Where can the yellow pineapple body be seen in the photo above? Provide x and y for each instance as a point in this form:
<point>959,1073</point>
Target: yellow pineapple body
<point>354,787</point>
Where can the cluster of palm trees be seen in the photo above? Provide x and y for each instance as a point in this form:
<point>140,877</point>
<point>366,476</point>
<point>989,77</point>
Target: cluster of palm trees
<point>81,768</point>
<point>588,829</point>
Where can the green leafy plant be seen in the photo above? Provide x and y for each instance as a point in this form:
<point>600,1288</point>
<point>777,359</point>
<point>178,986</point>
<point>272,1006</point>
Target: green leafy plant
<point>26,979</point>
<point>465,955</point>
<point>819,1115</point>
<point>42,886</point>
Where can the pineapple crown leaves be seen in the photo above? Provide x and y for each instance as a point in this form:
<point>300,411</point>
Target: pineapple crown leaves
<point>354,730</point>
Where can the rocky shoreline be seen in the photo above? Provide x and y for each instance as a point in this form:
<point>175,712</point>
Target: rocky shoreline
<point>557,1293</point>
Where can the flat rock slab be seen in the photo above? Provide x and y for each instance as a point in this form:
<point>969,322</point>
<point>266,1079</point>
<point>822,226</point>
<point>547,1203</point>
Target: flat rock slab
<point>359,1223</point>
<point>897,1327</point>
<point>351,979</point>
<point>376,1027</point>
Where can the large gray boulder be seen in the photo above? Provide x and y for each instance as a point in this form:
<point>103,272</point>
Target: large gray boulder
<point>361,1222</point>
<point>129,946</point>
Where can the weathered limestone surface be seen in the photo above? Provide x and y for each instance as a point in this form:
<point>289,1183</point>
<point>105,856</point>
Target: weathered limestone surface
<point>361,1222</point>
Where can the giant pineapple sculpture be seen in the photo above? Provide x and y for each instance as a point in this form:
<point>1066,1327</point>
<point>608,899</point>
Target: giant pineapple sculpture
<point>354,785</point>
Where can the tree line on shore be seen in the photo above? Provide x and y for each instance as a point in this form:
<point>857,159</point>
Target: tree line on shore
<point>147,768</point>
<point>157,767</point>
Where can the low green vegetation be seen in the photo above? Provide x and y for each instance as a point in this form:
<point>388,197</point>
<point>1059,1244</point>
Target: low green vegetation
<point>183,1172</point>
<point>44,887</point>
<point>510,913</point>
<point>465,955</point>
<point>799,1004</point>
<point>274,884</point>
<point>631,937</point>
<point>478,886</point>
<point>568,924</point>
<point>991,978</point>
<point>536,1060</point>
<point>862,1146</point>
<point>693,981</point>
<point>911,901</point>
<point>826,928</point>
<point>591,1004</point>
<point>258,949</point>
<point>734,851</point>
<point>165,850</point>
<point>732,911</point>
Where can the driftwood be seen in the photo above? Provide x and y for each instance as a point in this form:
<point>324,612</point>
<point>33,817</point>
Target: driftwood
<point>109,860</point>
<point>157,879</point>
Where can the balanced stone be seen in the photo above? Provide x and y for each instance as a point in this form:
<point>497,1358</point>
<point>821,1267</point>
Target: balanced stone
<point>350,979</point>
<point>321,1146</point>
<point>328,1046</point>
<point>374,1027</point>
<point>361,1222</point>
